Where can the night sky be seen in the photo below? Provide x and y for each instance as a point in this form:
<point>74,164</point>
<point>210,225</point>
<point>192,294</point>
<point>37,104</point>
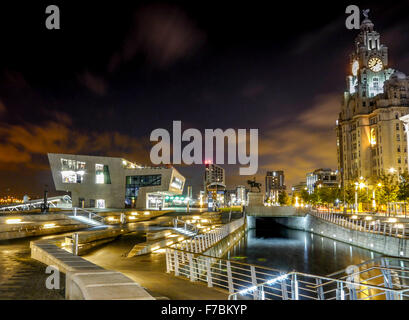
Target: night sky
<point>116,71</point>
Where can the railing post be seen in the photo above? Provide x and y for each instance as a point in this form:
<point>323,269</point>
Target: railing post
<point>294,287</point>
<point>75,244</point>
<point>390,229</point>
<point>209,272</point>
<point>168,267</point>
<point>340,291</point>
<point>176,262</point>
<point>75,212</point>
<point>229,277</point>
<point>387,279</point>
<point>320,289</point>
<point>191,267</point>
<point>254,281</point>
<point>284,292</point>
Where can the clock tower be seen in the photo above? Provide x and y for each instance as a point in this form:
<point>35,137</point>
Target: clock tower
<point>369,63</point>
<point>370,135</point>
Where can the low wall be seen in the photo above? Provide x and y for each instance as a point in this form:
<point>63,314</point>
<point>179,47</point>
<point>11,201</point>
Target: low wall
<point>85,280</point>
<point>384,244</point>
<point>34,225</point>
<point>275,211</point>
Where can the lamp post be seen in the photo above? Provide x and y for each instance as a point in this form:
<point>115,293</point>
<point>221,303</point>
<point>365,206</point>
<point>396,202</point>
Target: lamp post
<point>356,197</point>
<point>392,171</point>
<point>359,185</point>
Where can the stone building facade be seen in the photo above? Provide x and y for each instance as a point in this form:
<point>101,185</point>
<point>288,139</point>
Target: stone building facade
<point>371,138</point>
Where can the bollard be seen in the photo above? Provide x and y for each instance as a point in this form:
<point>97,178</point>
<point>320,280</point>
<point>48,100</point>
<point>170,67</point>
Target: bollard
<point>75,244</point>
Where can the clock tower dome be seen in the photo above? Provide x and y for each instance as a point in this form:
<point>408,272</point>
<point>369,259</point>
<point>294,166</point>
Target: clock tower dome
<point>369,63</point>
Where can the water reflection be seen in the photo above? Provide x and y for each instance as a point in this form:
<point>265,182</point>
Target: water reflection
<point>287,250</point>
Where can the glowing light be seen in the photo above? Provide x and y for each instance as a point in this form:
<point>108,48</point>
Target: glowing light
<point>49,225</point>
<point>399,226</point>
<point>354,217</point>
<point>132,218</point>
<point>13,221</point>
<point>392,220</point>
<point>111,219</point>
<point>155,248</point>
<point>134,213</point>
<point>270,282</point>
<point>355,68</point>
<point>180,238</point>
<point>373,137</point>
<point>169,243</point>
<point>368,218</point>
<point>146,213</point>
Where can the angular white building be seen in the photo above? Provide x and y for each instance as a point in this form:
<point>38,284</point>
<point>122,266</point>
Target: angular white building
<point>108,182</point>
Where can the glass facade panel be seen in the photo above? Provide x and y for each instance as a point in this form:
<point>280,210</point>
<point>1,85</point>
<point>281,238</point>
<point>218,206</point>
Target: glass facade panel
<point>133,183</point>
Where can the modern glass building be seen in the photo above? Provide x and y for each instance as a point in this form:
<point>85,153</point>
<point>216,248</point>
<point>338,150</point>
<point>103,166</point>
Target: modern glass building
<point>107,182</point>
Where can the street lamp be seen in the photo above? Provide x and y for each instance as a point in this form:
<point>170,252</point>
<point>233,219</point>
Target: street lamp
<point>356,197</point>
<point>359,185</point>
<point>392,171</point>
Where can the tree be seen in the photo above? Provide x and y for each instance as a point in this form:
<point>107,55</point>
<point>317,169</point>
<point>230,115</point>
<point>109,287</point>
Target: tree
<point>387,190</point>
<point>304,195</point>
<point>283,198</point>
<point>403,192</point>
<point>349,191</point>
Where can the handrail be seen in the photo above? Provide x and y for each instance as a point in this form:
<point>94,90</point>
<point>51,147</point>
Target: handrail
<point>370,226</point>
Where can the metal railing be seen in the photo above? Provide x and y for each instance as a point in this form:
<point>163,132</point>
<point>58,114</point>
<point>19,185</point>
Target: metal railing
<point>87,216</point>
<point>208,237</point>
<point>186,228</point>
<point>36,204</point>
<point>379,279</point>
<point>383,278</point>
<point>384,227</point>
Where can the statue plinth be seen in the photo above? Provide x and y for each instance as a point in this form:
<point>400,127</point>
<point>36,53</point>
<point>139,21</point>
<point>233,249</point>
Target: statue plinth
<point>255,199</point>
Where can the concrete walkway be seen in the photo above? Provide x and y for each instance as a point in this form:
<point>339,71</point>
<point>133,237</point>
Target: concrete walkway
<point>150,272</point>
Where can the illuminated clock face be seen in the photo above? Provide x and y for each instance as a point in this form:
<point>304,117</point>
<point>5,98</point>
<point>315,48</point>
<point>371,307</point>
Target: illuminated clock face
<point>375,64</point>
<point>355,67</point>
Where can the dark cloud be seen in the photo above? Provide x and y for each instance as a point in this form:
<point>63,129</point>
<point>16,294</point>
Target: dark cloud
<point>2,108</point>
<point>162,33</point>
<point>94,83</point>
<point>23,143</point>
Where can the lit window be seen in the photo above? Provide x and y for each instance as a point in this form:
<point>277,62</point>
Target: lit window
<point>69,177</point>
<point>99,174</point>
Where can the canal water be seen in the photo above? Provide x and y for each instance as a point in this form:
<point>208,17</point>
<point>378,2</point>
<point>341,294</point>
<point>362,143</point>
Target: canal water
<point>272,245</point>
